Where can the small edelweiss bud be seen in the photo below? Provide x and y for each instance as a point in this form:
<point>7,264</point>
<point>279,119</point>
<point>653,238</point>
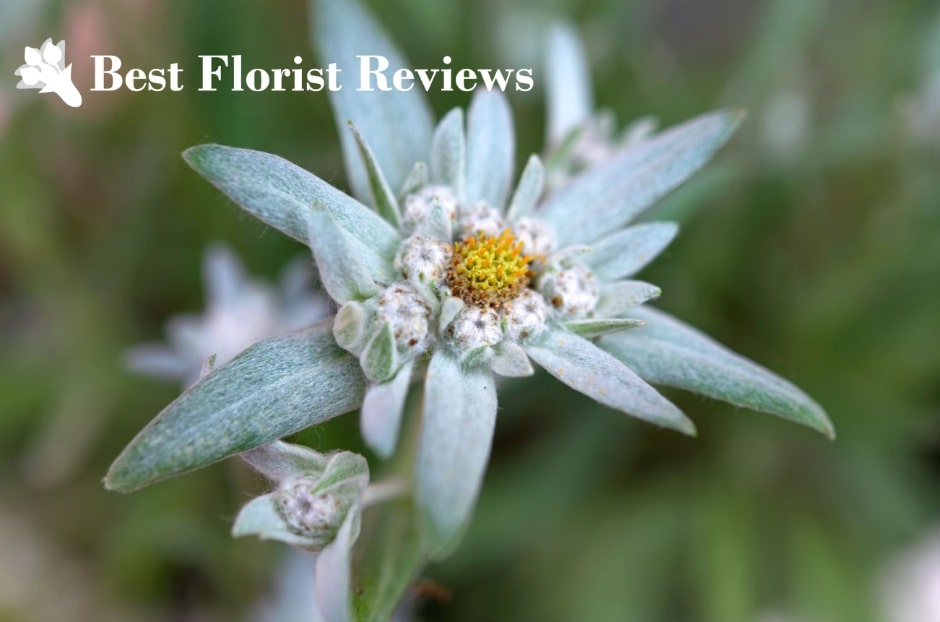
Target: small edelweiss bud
<point>536,237</point>
<point>573,291</point>
<point>481,218</point>
<point>418,206</point>
<point>423,260</point>
<point>407,313</point>
<point>475,327</point>
<point>307,513</point>
<point>524,316</point>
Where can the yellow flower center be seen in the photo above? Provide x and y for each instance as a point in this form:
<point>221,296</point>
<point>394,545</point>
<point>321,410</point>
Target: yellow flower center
<point>486,271</point>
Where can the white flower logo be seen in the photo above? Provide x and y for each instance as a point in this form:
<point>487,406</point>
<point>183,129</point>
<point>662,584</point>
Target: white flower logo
<point>45,69</point>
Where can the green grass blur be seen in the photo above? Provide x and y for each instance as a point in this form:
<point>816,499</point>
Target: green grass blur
<point>811,245</point>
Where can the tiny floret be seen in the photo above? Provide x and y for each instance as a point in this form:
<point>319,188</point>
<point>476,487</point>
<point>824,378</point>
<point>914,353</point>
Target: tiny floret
<point>475,327</point>
<point>573,291</point>
<point>405,310</point>
<point>478,219</point>
<point>423,260</point>
<point>418,206</point>
<point>525,316</point>
<point>536,237</point>
<point>308,513</point>
<point>488,271</point>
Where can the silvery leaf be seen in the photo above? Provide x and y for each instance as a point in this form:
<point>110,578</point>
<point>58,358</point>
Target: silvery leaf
<point>279,460</point>
<point>396,124</point>
<point>382,196</point>
<point>380,359</point>
<point>568,83</point>
<point>586,368</point>
<point>671,353</point>
<point>623,296</point>
<point>606,197</point>
<point>282,194</point>
<point>416,179</point>
<point>528,191</point>
<point>382,410</point>
<point>626,252</point>
<point>331,586</point>
<point>511,361</point>
<point>490,149</point>
<point>449,152</point>
<point>456,435</point>
<point>274,388</point>
<point>261,517</point>
<point>343,273</point>
<point>597,327</point>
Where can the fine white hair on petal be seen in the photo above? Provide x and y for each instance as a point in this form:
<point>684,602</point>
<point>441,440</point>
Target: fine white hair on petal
<point>573,291</point>
<point>474,327</point>
<point>418,206</point>
<point>480,217</point>
<point>402,306</point>
<point>525,316</point>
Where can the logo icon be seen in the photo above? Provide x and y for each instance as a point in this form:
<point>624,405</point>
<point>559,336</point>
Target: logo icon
<point>45,69</point>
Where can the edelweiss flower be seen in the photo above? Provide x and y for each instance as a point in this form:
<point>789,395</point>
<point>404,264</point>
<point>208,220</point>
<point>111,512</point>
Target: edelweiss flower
<point>239,312</point>
<point>441,270</point>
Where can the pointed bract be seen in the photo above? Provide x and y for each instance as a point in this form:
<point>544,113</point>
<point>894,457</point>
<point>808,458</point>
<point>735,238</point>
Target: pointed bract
<point>605,198</point>
<point>449,152</point>
<point>528,191</point>
<point>274,388</point>
<point>491,149</point>
<point>343,272</point>
<point>282,194</point>
<point>568,83</point>
<point>382,410</point>
<point>383,199</point>
<point>396,124</point>
<point>623,296</point>
<point>456,435</point>
<point>586,368</point>
<point>626,252</point>
<point>671,353</point>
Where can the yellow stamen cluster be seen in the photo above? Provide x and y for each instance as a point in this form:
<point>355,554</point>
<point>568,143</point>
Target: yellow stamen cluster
<point>487,271</point>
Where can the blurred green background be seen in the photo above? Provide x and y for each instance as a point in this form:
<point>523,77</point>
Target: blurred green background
<point>811,245</point>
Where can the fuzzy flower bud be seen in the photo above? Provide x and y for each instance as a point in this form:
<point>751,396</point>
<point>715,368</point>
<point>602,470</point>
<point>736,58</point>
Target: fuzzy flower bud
<point>573,291</point>
<point>418,206</point>
<point>407,313</point>
<point>525,316</point>
<point>536,237</point>
<point>475,327</point>
<point>423,260</point>
<point>307,513</point>
<point>480,218</point>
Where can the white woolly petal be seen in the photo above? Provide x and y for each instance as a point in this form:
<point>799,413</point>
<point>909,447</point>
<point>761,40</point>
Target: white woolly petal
<point>418,206</point>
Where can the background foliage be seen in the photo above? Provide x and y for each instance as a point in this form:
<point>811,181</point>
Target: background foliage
<point>810,245</point>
